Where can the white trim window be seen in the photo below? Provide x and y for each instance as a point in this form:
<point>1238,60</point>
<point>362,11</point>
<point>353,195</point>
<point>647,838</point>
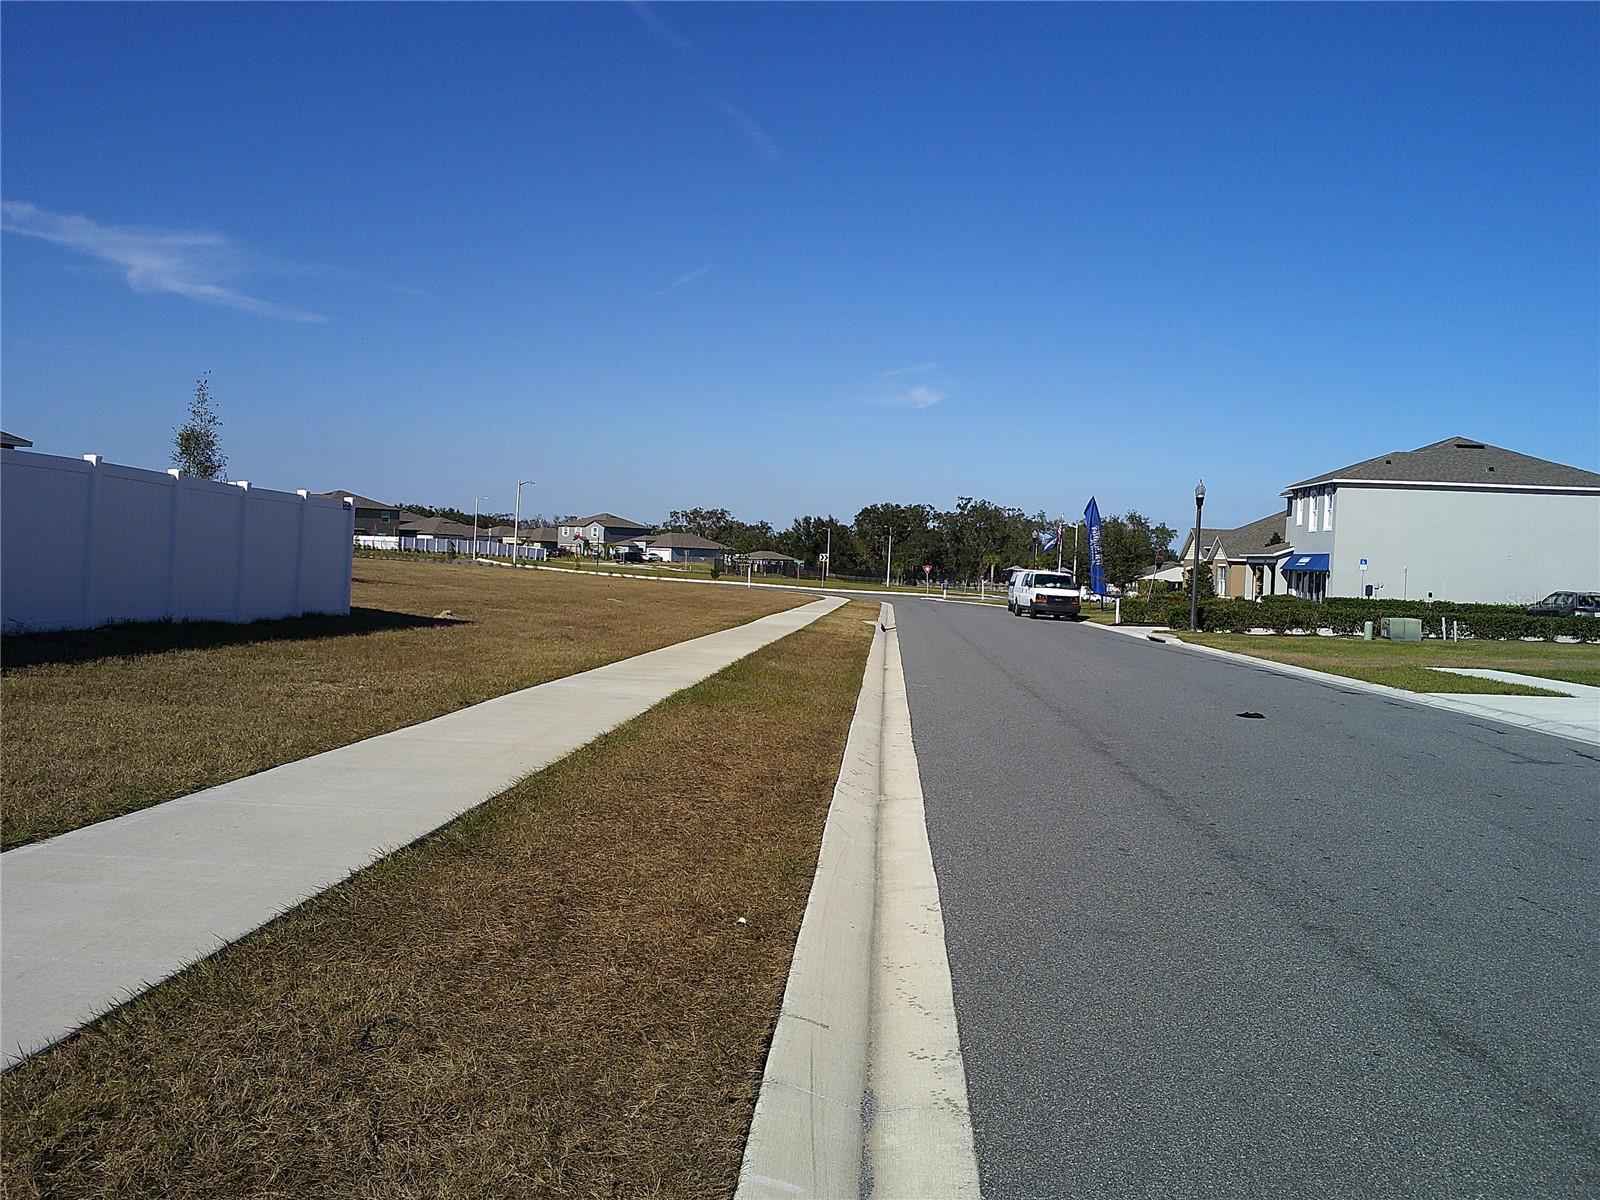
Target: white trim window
<point>1221,580</point>
<point>1311,517</point>
<point>1327,510</point>
<point>1300,508</point>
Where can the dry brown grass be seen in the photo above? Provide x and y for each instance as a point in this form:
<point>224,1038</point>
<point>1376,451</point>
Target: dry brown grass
<point>103,722</point>
<point>551,996</point>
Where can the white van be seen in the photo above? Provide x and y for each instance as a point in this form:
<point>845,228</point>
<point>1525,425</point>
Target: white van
<point>1043,593</point>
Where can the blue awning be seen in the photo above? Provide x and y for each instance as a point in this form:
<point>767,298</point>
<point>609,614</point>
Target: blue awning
<point>1306,562</point>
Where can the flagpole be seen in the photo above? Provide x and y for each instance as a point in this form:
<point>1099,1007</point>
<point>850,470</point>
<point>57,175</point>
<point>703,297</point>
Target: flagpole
<point>1060,536</point>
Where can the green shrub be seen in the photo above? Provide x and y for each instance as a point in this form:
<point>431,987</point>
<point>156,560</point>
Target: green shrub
<point>1346,615</point>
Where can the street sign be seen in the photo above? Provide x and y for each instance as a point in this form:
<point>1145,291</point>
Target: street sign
<point>1363,564</point>
<point>927,568</point>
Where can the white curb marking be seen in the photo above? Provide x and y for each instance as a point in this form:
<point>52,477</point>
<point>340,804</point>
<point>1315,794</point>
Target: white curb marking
<point>864,1091</point>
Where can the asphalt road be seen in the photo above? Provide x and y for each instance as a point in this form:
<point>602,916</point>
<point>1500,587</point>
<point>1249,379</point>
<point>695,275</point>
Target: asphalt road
<point>1343,950</point>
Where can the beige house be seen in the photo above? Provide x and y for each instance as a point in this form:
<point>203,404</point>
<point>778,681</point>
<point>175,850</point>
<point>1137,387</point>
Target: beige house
<point>1245,562</point>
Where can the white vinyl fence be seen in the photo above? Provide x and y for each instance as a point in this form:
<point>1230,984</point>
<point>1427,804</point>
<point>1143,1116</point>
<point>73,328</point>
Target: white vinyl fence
<point>483,548</point>
<point>85,542</point>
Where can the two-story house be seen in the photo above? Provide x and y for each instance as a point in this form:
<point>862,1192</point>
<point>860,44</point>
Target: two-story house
<point>591,533</point>
<point>1455,520</point>
<point>373,517</point>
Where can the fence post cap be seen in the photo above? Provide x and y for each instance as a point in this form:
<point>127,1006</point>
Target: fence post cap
<point>92,459</point>
<point>303,493</point>
<point>240,483</point>
<point>175,472</point>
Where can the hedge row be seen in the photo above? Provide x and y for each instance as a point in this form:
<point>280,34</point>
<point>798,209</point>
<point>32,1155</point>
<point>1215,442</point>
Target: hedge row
<point>1286,614</point>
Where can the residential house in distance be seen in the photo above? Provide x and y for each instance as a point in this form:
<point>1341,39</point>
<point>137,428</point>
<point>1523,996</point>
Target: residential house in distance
<point>1456,520</point>
<point>1246,561</point>
<point>546,537</point>
<point>373,517</point>
<point>429,529</point>
<point>592,533</point>
<point>770,560</point>
<point>682,548</point>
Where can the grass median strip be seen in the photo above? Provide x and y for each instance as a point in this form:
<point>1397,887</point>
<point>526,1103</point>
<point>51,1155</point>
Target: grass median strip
<point>1407,665</point>
<point>104,722</point>
<point>553,995</point>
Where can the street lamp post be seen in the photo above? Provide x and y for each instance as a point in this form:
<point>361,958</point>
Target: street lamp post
<point>516,523</point>
<point>476,500</point>
<point>888,564</point>
<point>1194,573</point>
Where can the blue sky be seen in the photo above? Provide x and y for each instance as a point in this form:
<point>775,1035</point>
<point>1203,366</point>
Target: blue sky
<point>802,258</point>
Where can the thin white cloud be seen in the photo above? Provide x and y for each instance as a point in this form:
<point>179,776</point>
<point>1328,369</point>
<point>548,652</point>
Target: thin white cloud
<point>754,134</point>
<point>690,277</point>
<point>912,399</point>
<point>913,369</point>
<point>174,261</point>
<point>649,16</point>
<point>401,290</point>
<point>659,28</point>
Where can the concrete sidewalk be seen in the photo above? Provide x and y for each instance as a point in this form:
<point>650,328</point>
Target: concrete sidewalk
<point>97,915</point>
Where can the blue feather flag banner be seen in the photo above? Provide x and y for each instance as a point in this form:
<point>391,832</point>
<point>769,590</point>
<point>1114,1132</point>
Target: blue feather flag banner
<point>1097,563</point>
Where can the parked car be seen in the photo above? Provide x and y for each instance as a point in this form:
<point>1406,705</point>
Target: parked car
<point>1043,593</point>
<point>1567,604</point>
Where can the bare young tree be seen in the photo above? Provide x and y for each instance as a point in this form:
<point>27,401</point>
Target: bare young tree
<point>196,448</point>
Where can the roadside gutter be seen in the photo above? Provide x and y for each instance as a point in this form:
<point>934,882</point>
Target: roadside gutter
<point>864,1092</point>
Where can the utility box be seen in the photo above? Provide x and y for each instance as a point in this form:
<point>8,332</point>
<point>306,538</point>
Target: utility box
<point>1401,629</point>
<point>1366,631</point>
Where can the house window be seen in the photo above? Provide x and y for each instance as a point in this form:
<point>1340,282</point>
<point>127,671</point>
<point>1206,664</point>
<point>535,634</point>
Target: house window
<point>1327,510</point>
<point>1222,581</point>
<point>1300,510</point>
<point>1311,517</point>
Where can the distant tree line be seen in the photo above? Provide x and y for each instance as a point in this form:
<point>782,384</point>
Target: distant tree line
<point>975,538</point>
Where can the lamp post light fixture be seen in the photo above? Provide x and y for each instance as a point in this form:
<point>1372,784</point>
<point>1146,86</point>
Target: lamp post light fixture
<point>1194,574</point>
<point>476,500</point>
<point>516,523</point>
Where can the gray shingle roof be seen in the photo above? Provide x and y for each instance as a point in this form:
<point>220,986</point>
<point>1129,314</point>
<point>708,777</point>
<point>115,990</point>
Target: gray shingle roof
<point>1460,460</point>
<point>1257,536</point>
<point>438,527</point>
<point>361,501</point>
<point>1252,538</point>
<point>683,541</point>
<point>610,521</point>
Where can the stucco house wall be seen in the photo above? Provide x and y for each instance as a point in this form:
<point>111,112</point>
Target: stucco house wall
<point>1479,545</point>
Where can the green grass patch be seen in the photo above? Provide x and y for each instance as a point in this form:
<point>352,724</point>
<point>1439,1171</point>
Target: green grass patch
<point>1405,664</point>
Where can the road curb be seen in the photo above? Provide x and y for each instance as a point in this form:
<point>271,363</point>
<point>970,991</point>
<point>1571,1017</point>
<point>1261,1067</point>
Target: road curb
<point>1464,708</point>
<point>864,1091</point>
